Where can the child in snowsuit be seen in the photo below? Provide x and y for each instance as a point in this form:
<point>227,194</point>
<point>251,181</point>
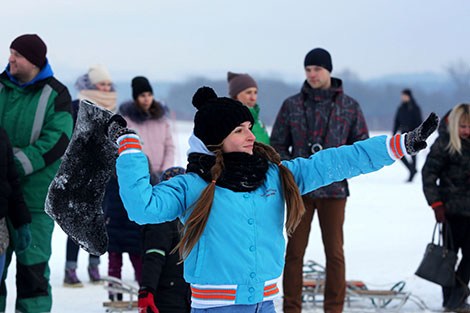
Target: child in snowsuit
<point>163,288</point>
<point>231,200</point>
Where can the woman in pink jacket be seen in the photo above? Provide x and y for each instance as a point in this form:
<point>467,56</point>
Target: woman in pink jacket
<point>147,117</point>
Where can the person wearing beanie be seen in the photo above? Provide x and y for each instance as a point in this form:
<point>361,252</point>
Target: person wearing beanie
<point>320,116</point>
<point>35,111</point>
<point>95,85</point>
<point>408,115</point>
<point>243,87</point>
<point>232,198</point>
<point>148,117</point>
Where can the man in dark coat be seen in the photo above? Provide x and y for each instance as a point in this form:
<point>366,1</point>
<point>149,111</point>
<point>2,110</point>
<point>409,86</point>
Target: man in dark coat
<point>319,117</point>
<point>407,118</point>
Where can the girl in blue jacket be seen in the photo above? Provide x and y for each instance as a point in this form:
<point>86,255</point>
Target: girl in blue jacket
<point>231,201</point>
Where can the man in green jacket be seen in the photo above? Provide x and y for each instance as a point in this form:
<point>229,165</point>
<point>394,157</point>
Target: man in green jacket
<point>243,87</point>
<point>35,111</point>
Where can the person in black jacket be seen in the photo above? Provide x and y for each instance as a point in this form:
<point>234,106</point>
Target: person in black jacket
<point>12,203</point>
<point>163,288</point>
<point>446,185</point>
<point>408,117</point>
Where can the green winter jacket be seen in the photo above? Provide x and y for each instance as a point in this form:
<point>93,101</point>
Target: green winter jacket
<point>37,118</point>
<point>258,129</point>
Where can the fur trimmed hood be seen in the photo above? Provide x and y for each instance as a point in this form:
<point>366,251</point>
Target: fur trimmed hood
<point>128,109</point>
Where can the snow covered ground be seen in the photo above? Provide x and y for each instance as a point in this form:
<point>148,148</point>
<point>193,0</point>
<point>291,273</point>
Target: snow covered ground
<point>387,227</point>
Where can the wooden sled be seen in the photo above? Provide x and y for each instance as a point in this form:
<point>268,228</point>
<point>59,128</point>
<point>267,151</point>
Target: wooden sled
<point>116,286</point>
<point>382,300</point>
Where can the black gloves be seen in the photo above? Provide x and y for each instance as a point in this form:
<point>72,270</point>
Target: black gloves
<point>415,140</point>
<point>116,127</point>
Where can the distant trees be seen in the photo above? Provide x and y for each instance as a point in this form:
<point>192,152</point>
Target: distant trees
<point>459,73</point>
<point>378,101</point>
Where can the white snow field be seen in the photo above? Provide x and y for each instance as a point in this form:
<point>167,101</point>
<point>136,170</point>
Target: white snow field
<point>387,227</point>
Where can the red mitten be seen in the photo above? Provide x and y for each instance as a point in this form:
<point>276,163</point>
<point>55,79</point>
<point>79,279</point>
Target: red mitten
<point>146,303</point>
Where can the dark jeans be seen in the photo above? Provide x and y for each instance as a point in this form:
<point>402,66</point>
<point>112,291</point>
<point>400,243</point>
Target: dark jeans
<point>72,255</point>
<point>460,230</point>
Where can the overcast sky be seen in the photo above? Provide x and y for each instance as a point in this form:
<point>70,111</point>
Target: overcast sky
<point>175,39</point>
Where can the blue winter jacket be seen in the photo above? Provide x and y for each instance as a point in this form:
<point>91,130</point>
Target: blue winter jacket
<point>240,255</point>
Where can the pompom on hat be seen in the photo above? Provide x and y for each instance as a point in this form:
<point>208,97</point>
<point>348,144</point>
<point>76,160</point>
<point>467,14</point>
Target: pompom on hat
<point>217,117</point>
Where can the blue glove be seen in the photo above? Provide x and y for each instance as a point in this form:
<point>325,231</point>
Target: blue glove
<point>24,238</point>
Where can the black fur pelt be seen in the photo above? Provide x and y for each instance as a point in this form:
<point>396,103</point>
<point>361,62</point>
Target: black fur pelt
<point>76,194</point>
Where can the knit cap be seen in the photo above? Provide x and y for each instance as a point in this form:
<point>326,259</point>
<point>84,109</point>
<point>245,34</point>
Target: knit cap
<point>140,84</point>
<point>239,82</point>
<point>217,117</point>
<point>98,73</point>
<point>32,48</point>
<point>319,57</point>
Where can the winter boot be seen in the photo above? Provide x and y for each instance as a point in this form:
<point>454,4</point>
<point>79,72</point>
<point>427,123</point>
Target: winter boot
<point>94,274</point>
<point>71,279</point>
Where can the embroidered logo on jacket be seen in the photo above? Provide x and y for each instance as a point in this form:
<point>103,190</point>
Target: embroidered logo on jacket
<point>269,192</point>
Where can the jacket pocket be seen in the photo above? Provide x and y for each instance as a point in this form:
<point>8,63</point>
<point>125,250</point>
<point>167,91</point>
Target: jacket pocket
<point>201,251</point>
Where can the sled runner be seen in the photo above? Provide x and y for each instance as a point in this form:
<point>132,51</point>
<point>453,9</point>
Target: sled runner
<point>116,286</point>
<point>382,300</point>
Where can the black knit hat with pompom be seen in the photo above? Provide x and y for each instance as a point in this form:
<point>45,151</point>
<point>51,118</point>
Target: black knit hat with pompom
<point>217,117</point>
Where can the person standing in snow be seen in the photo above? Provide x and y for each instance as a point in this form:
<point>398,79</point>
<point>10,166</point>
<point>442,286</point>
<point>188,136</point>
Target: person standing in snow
<point>319,117</point>
<point>96,86</point>
<point>408,117</point>
<point>11,202</point>
<point>231,200</point>
<point>446,185</point>
<point>147,116</point>
<point>35,111</point>
<point>163,288</point>
<point>243,87</point>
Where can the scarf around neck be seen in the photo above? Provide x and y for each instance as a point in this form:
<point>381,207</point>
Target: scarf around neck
<point>105,99</point>
<point>242,172</point>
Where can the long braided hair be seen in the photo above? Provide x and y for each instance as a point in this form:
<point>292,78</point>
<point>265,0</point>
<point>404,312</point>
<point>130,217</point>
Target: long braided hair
<point>197,220</point>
